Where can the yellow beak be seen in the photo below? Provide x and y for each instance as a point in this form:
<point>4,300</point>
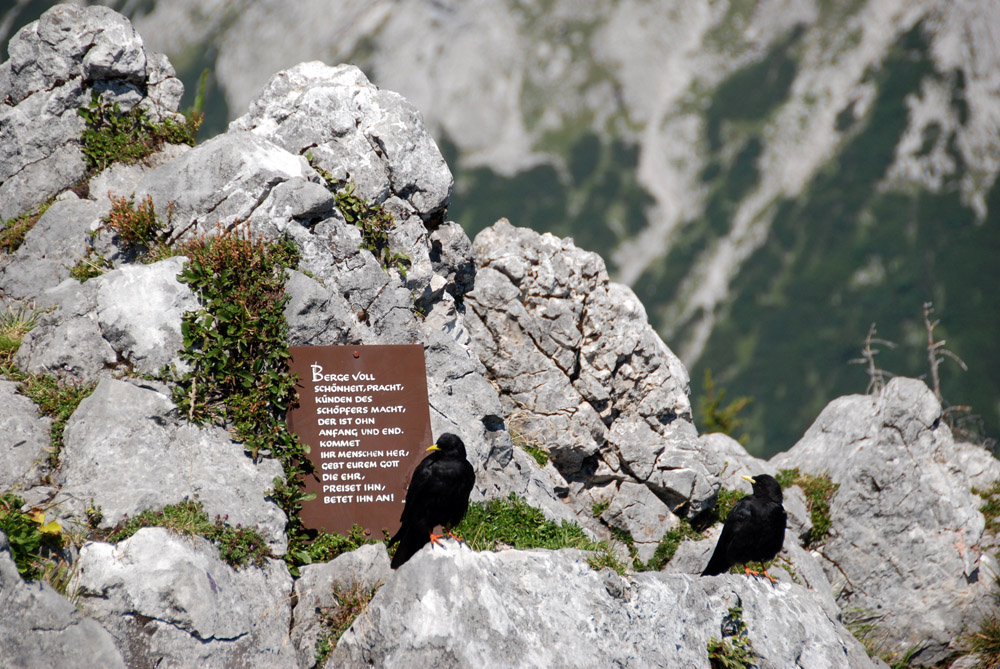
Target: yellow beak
<point>433,447</point>
<point>748,478</point>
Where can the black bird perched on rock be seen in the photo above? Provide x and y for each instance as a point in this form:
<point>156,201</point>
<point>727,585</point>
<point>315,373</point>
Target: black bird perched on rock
<point>754,530</point>
<point>438,495</point>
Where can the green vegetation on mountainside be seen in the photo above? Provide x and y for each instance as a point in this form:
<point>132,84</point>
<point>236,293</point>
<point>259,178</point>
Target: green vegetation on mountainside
<point>800,312</point>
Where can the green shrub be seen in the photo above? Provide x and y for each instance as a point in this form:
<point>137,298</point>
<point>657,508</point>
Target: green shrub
<point>734,650</point>
<point>113,136</point>
<point>29,535</point>
<point>512,523</point>
<point>819,492</point>
<point>718,418</point>
<point>316,546</point>
<point>373,220</point>
<point>236,343</point>
<point>138,228</point>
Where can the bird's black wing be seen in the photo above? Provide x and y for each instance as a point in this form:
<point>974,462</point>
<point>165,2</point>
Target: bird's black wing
<point>415,526</point>
<point>419,490</point>
<point>735,533</point>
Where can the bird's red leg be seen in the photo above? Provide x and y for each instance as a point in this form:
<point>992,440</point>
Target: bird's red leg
<point>766,574</point>
<point>749,571</point>
<point>455,536</point>
<point>436,539</point>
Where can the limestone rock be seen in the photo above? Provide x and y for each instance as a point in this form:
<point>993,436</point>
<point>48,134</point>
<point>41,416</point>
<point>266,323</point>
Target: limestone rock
<point>24,440</point>
<point>55,62</point>
<point>128,316</point>
<point>907,550</point>
<point>41,628</point>
<point>170,601</point>
<point>139,308</point>
<point>357,572</point>
<point>220,181</point>
<point>581,372</point>
<point>354,131</point>
<point>119,430</point>
<point>545,608</point>
<point>51,248</point>
<point>67,341</point>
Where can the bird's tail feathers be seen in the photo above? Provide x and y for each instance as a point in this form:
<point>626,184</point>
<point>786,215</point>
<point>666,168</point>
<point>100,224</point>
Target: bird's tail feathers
<point>410,542</point>
<point>717,565</point>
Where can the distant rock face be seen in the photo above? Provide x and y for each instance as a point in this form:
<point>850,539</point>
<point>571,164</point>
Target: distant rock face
<point>583,374</point>
<point>907,549</point>
<point>549,609</point>
<point>54,64</point>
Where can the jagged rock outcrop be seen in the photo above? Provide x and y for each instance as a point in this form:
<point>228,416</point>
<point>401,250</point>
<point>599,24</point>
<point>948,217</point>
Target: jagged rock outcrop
<point>907,549</point>
<point>550,609</point>
<point>54,64</point>
<point>519,330</point>
<point>339,117</point>
<point>581,371</point>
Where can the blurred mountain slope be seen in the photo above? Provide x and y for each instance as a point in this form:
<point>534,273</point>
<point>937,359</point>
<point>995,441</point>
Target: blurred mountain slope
<point>770,177</point>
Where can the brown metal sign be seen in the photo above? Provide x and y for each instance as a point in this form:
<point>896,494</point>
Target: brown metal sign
<point>363,412</point>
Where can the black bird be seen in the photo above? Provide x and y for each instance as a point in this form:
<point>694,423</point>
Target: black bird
<point>754,530</point>
<point>438,495</point>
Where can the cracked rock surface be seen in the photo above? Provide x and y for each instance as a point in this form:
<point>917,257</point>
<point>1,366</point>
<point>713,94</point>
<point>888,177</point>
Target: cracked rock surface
<point>55,63</point>
<point>562,613</point>
<point>170,601</point>
<point>908,548</point>
<point>582,373</point>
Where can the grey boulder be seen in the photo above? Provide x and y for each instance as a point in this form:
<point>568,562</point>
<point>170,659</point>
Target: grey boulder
<point>41,628</point>
<point>170,601</point>
<point>550,609</point>
<point>908,550</point>
<point>54,64</point>
<point>126,450</point>
<point>24,440</point>
<point>355,131</point>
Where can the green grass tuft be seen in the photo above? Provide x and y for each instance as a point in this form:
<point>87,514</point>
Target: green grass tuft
<point>819,492</point>
<point>734,650</point>
<point>113,136</point>
<point>336,620</point>
<point>512,523</point>
<point>56,398</point>
<point>238,546</point>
